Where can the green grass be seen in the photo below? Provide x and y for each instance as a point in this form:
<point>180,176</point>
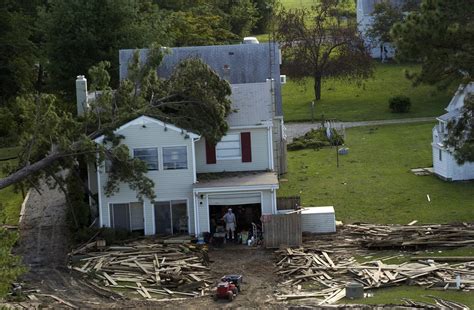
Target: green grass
<point>374,183</point>
<point>394,294</point>
<point>297,4</point>
<point>348,102</point>
<point>9,200</point>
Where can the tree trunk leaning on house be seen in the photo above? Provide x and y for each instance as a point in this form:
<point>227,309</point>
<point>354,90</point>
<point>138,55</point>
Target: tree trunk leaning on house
<point>322,42</point>
<point>193,98</point>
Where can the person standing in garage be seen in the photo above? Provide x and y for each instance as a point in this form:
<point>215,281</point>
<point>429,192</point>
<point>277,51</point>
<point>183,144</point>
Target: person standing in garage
<point>230,223</point>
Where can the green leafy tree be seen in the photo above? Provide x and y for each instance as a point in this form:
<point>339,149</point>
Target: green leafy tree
<point>200,26</point>
<point>243,17</point>
<point>266,10</point>
<point>79,34</point>
<point>461,133</point>
<point>10,264</point>
<point>441,36</point>
<point>385,15</point>
<point>52,140</point>
<point>18,53</point>
<point>321,42</point>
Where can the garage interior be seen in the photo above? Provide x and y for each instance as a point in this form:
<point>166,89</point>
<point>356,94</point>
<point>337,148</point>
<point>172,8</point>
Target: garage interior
<point>245,214</point>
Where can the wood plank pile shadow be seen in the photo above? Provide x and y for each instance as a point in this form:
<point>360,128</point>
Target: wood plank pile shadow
<point>309,272</point>
<point>150,270</point>
<point>373,236</point>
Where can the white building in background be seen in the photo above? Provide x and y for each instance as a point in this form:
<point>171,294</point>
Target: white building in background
<point>365,8</point>
<point>444,163</point>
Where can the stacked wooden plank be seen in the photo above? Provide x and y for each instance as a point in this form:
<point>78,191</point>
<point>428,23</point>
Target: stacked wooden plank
<point>150,270</point>
<point>411,236</point>
<point>325,274</point>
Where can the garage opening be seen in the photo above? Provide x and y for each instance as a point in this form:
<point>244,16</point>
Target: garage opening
<point>245,215</point>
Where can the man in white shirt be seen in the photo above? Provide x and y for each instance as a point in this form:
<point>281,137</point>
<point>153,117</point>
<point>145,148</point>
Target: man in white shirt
<point>230,222</point>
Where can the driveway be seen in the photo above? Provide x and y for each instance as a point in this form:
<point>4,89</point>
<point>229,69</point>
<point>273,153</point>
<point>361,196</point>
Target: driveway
<point>294,130</point>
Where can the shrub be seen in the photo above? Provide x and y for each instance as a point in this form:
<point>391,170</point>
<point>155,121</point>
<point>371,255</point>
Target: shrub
<point>315,139</point>
<point>399,104</point>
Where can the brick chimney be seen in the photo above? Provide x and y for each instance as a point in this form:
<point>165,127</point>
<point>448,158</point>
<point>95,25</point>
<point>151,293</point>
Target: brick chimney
<point>81,95</point>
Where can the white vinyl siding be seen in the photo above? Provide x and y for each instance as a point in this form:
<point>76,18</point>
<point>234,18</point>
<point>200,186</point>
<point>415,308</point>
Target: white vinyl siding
<point>168,184</point>
<point>175,157</point>
<point>148,155</point>
<point>259,149</point>
<point>229,147</point>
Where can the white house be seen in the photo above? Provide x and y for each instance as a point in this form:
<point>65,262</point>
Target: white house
<point>364,11</point>
<point>195,182</point>
<point>444,163</point>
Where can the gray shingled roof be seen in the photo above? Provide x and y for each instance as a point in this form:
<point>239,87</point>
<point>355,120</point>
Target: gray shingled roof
<point>241,63</point>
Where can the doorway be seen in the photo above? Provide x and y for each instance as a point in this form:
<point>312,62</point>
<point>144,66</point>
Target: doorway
<point>128,216</point>
<point>245,215</point>
<point>171,217</point>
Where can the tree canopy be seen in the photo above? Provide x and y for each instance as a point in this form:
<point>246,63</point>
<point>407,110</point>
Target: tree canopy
<point>52,139</point>
<point>322,41</point>
<point>441,36</point>
<point>385,15</point>
<point>461,133</point>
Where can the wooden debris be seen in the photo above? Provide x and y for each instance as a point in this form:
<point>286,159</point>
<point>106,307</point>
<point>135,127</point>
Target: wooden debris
<point>330,273</point>
<point>171,269</point>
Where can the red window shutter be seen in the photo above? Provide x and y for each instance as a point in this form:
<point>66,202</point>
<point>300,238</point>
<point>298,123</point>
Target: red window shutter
<point>210,153</point>
<point>246,146</point>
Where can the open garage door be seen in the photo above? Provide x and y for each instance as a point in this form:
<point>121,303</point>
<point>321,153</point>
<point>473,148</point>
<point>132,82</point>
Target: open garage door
<point>247,208</point>
<point>234,199</point>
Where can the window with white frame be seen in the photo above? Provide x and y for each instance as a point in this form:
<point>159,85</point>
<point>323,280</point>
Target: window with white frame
<point>175,157</point>
<point>229,147</point>
<point>148,155</point>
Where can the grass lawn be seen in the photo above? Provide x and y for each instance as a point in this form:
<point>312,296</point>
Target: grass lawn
<point>348,102</point>
<point>10,201</point>
<point>393,295</point>
<point>374,182</point>
<point>297,4</point>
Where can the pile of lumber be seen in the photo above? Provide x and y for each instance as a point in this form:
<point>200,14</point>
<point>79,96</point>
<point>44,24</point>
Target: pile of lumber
<point>373,236</point>
<point>309,272</point>
<point>150,270</point>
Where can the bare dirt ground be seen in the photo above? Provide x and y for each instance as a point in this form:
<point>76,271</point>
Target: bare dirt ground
<point>45,242</point>
<point>259,279</point>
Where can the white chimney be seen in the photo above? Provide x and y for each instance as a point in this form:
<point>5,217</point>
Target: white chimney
<point>81,95</point>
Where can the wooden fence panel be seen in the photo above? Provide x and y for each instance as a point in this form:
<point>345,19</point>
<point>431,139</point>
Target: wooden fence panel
<point>288,203</point>
<point>282,229</point>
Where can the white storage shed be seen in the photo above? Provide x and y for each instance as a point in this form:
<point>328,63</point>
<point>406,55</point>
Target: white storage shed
<point>318,220</point>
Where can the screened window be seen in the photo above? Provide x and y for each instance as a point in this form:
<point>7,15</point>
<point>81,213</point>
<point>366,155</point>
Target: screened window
<point>149,156</point>
<point>175,157</point>
<point>229,147</point>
